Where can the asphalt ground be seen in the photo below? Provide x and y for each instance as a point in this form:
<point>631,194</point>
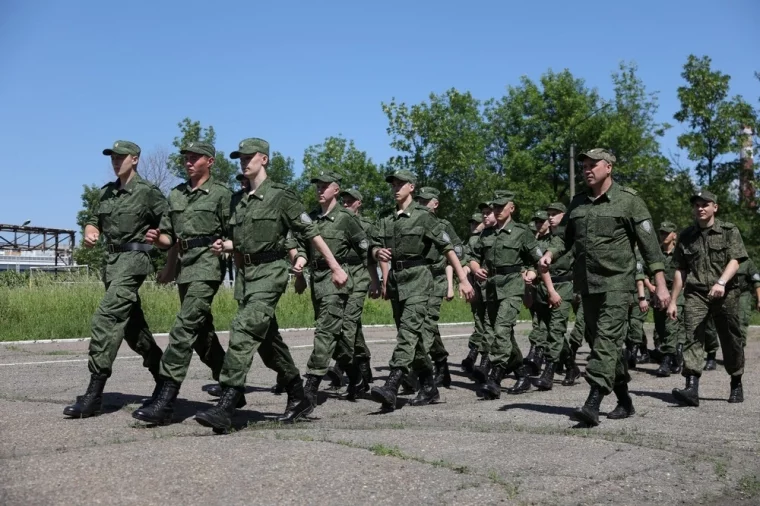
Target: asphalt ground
<point>516,450</point>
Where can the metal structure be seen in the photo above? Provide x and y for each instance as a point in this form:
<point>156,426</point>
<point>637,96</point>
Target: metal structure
<point>16,239</point>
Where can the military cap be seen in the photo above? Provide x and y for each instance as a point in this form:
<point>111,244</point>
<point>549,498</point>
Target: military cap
<point>540,216</point>
<point>476,218</point>
<point>502,197</point>
<point>532,226</point>
<point>483,205</point>
<point>240,177</point>
<point>704,195</point>
<point>402,175</point>
<point>351,193</point>
<point>668,226</point>
<point>556,206</point>
<point>123,148</point>
<point>598,154</point>
<point>201,148</point>
<point>326,176</point>
<point>428,193</point>
<point>251,146</point>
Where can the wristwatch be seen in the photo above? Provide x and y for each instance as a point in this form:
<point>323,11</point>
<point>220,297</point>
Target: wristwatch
<point>721,282</point>
<point>642,298</point>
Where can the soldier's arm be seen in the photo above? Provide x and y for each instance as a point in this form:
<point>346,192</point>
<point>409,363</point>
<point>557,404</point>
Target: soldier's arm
<point>678,280</point>
<point>358,239</point>
<point>736,252</point>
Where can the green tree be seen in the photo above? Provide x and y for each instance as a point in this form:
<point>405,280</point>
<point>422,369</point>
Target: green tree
<point>280,169</point>
<point>223,170</point>
<point>93,257</point>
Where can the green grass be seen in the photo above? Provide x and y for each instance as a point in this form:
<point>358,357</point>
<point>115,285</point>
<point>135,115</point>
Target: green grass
<point>749,485</point>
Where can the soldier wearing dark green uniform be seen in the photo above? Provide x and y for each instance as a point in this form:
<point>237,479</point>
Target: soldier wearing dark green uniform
<point>127,209</point>
<point>344,235</point>
<point>198,214</point>
<point>499,257</point>
<point>670,333</point>
<point>404,239</point>
<point>636,338</point>
<point>601,226</point>
<point>260,221</point>
<point>707,258</point>
<point>443,286</point>
<point>477,305</point>
<point>539,310</point>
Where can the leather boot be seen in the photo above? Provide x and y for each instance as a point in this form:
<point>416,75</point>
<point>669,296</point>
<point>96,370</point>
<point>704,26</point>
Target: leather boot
<point>91,403</point>
<point>492,389</point>
<point>531,361</point>
<point>147,401</point>
<point>428,393</point>
<point>631,350</point>
<point>298,405</point>
<point>737,392</point>
<point>546,381</point>
<point>677,363</point>
<point>442,375</point>
<point>311,389</point>
<point>624,407</point>
<point>219,417</point>
<point>278,389</point>
<point>665,366</point>
<point>216,391</point>
<point>655,354</point>
<point>589,412</point>
<point>469,361</point>
<point>710,363</point>
<point>523,382</point>
<point>160,411</point>
<point>365,369</point>
<point>335,375</point>
<point>480,373</point>
<point>573,371</point>
<point>410,384</point>
<point>386,394</point>
<point>644,355</point>
<point>688,396</point>
<point>356,384</point>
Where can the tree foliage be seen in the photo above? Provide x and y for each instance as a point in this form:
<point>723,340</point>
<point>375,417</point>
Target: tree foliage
<point>223,170</point>
<point>93,257</point>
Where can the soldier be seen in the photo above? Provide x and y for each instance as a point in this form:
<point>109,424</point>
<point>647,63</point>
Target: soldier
<point>707,258</point>
<point>127,209</point>
<point>260,223</point>
<point>476,305</point>
<point>403,239</point>
<point>636,338</point>
<point>499,258</point>
<point>539,309</point>
<point>344,235</point>
<point>443,286</point>
<point>601,225</point>
<point>670,333</point>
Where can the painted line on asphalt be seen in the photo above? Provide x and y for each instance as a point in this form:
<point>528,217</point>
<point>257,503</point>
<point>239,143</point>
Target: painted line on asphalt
<point>297,347</point>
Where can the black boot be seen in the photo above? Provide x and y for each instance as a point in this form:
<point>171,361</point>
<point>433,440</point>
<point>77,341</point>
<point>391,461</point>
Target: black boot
<point>532,361</point>
<point>677,364</point>
<point>410,384</point>
<point>219,417</point>
<point>644,355</point>
<point>480,373</point>
<point>523,382</point>
<point>365,369</point>
<point>356,384</point>
<point>469,361</point>
<point>573,371</point>
<point>91,403</point>
<point>737,393</point>
<point>665,366</point>
<point>147,401</point>
<point>160,411</point>
<point>386,394</point>
<point>624,407</point>
<point>688,396</point>
<point>278,389</point>
<point>216,391</point>
<point>311,389</point>
<point>335,375</point>
<point>710,363</point>
<point>631,350</point>
<point>428,393</point>
<point>589,412</point>
<point>442,375</point>
<point>298,405</point>
<point>546,381</point>
<point>492,389</point>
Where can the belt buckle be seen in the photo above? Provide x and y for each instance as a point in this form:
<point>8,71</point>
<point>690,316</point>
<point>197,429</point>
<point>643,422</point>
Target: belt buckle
<point>183,244</point>
<point>399,265</point>
<point>111,248</point>
<point>247,259</point>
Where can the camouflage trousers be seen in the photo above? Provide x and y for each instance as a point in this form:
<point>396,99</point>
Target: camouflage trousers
<point>550,324</point>
<point>746,306</point>
<point>329,337</point>
<point>725,313</point>
<point>412,352</point>
<point>352,324</point>
<point>478,339</point>
<point>606,318</point>
<point>578,334</point>
<point>502,316</point>
<point>438,352</point>
<point>193,330</point>
<point>670,333</point>
<point>119,317</point>
<point>636,335</point>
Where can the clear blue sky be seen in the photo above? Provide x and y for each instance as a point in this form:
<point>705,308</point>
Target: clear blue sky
<point>78,75</point>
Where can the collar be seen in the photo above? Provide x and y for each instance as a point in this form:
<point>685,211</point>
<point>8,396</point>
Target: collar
<point>130,186</point>
<point>612,192</point>
<point>261,191</point>
<point>506,228</point>
<point>330,214</point>
<point>205,187</point>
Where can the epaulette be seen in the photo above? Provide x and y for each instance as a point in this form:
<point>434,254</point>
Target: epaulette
<point>180,187</point>
<point>281,186</point>
<point>727,224</point>
<point>523,226</point>
<point>446,222</point>
<point>629,190</point>
<point>221,185</point>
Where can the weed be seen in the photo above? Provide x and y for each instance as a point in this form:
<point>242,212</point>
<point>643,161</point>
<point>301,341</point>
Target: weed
<point>749,485</point>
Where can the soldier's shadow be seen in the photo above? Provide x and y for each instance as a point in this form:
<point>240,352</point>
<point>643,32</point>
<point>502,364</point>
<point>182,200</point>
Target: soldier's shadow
<point>539,408</point>
<point>665,397</point>
<point>114,401</point>
<point>248,389</point>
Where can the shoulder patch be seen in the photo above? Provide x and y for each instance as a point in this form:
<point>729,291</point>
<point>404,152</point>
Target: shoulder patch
<point>305,218</point>
<point>756,277</point>
<point>646,226</point>
<point>629,190</point>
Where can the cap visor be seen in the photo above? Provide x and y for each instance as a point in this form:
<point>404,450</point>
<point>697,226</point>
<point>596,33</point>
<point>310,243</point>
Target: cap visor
<point>235,154</point>
<point>108,152</point>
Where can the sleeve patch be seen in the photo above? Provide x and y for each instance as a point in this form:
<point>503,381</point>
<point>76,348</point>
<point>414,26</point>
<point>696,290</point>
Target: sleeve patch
<point>458,251</point>
<point>756,276</point>
<point>647,226</point>
<point>364,244</point>
<point>305,218</point>
<point>446,237</point>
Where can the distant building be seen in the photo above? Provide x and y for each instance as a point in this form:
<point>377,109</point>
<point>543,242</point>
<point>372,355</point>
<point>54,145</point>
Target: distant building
<point>20,261</point>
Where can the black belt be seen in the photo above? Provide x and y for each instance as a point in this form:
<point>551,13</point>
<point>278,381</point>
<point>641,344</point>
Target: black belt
<point>507,269</point>
<point>197,242</point>
<point>129,246</point>
<point>263,257</point>
<point>437,271</point>
<point>562,279</point>
<point>321,264</point>
<point>400,265</point>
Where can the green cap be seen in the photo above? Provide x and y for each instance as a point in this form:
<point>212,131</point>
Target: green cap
<point>123,148</point>
<point>556,206</point>
<point>668,226</point>
<point>402,175</point>
<point>532,226</point>
<point>483,205</point>
<point>704,195</point>
<point>428,193</point>
<point>251,146</point>
<point>201,148</point>
<point>502,197</point>
<point>540,216</point>
<point>352,193</point>
<point>326,176</point>
<point>476,218</point>
<point>598,154</point>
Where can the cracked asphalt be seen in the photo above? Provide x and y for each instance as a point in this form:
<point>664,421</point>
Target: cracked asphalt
<point>516,450</point>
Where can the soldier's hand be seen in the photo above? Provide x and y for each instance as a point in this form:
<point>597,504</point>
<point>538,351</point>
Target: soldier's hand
<point>450,293</point>
<point>339,277</point>
<point>644,306</point>
<point>529,277</point>
<point>164,276</point>
<point>481,274</point>
<point>466,290</point>
<point>384,254</point>
<point>717,291</point>
<point>298,265</point>
<point>300,284</point>
<point>374,290</point>
<point>91,239</point>
<point>672,311</point>
<point>545,262</point>
<point>555,299</point>
<point>218,247</point>
<point>151,236</point>
<point>663,296</point>
<point>527,299</point>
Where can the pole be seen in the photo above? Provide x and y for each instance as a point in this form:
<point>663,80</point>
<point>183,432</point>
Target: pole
<point>572,170</point>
